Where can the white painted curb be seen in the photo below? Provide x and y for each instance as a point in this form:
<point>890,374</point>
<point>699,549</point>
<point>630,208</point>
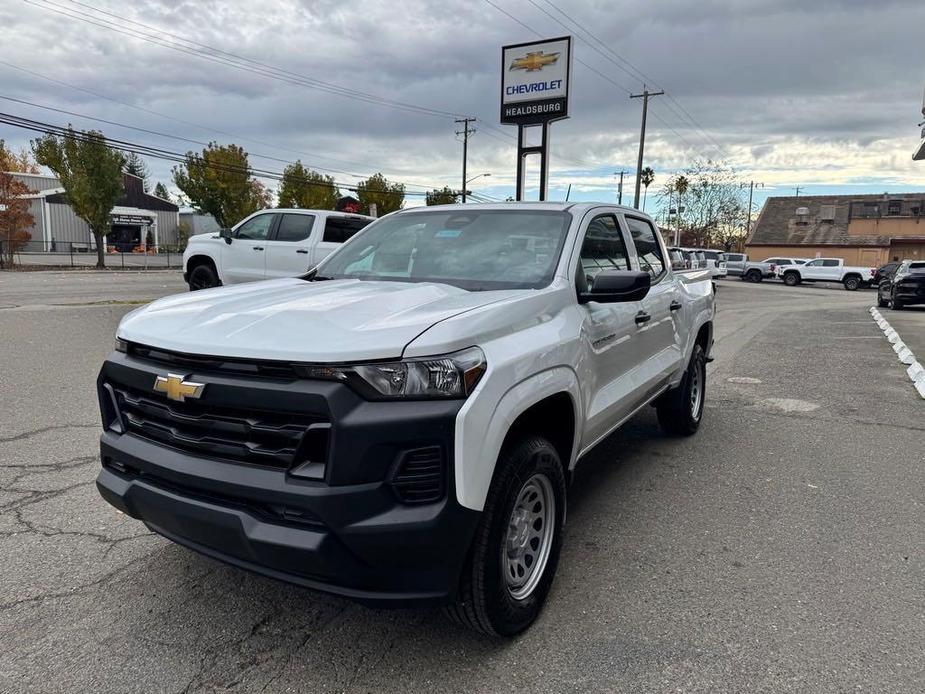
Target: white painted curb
<point>915,372</point>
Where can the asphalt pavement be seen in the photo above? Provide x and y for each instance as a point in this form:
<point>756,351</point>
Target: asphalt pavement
<point>778,550</point>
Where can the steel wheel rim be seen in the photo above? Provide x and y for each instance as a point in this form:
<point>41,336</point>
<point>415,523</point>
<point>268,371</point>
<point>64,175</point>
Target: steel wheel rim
<point>696,390</point>
<point>529,537</point>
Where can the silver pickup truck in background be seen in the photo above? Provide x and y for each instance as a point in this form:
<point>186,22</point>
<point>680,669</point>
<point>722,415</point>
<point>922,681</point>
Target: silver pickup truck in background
<point>767,269</point>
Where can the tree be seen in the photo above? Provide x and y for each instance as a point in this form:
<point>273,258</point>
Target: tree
<point>306,189</point>
<point>218,182</point>
<point>376,190</point>
<point>91,174</point>
<point>15,217</point>
<point>646,177</point>
<point>447,196</point>
<point>20,162</point>
<point>708,199</point>
<point>160,190</point>
<point>136,166</point>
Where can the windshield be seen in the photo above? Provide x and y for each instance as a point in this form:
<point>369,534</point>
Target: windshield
<point>477,250</point>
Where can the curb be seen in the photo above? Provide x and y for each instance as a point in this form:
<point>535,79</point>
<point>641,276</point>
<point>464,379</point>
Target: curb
<point>915,372</point>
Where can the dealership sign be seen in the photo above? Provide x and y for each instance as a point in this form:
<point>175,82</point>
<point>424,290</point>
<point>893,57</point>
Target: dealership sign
<point>129,220</point>
<point>535,81</point>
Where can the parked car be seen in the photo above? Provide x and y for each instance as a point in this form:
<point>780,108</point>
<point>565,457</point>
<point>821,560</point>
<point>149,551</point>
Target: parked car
<point>399,425</point>
<point>905,287</point>
<point>827,270</point>
<point>885,272</point>
<point>735,264</point>
<point>267,244</point>
<point>692,259</point>
<point>715,261</point>
<point>766,269</point>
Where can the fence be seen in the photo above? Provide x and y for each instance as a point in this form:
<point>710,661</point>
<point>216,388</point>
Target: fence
<point>71,254</point>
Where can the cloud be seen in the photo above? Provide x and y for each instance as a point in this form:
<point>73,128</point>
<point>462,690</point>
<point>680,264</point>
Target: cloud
<point>823,93</point>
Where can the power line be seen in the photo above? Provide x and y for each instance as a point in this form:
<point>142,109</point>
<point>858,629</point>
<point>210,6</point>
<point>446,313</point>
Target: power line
<point>632,71</point>
<point>226,58</point>
<point>204,128</point>
<point>160,153</point>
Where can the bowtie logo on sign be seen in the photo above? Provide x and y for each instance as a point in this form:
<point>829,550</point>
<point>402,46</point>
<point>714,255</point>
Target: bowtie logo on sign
<point>534,61</point>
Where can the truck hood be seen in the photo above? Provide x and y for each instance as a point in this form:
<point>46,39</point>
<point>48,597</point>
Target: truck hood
<point>291,319</point>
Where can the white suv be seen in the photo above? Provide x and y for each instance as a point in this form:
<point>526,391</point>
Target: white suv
<point>268,244</point>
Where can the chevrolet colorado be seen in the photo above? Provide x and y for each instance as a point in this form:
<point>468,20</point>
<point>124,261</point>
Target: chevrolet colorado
<point>398,425</point>
<point>827,270</point>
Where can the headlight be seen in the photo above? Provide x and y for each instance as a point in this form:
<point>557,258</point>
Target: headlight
<point>121,345</point>
<point>445,376</point>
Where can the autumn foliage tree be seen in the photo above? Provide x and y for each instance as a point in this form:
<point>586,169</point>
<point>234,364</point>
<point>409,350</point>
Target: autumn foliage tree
<point>90,172</point>
<point>219,182</point>
<point>19,162</point>
<point>376,190</point>
<point>306,189</point>
<point>15,218</point>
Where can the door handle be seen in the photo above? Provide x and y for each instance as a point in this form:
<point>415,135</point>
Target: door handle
<point>301,250</point>
<point>642,317</point>
<point>675,306</point>
<point>257,248</point>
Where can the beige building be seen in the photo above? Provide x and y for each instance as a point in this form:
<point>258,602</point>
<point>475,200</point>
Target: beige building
<point>861,229</point>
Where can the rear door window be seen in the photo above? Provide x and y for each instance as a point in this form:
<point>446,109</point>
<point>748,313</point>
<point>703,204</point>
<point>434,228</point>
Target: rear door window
<point>829,263</point>
<point>648,250</point>
<point>294,227</point>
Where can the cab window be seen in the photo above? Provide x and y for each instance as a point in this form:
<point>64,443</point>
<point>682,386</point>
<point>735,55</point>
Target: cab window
<point>339,229</point>
<point>648,250</point>
<point>256,228</point>
<point>603,248</point>
<point>829,263</point>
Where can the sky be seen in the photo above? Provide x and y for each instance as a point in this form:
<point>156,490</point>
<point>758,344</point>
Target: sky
<point>824,95</point>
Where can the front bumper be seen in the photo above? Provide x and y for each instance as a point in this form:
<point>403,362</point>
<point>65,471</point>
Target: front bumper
<point>349,533</point>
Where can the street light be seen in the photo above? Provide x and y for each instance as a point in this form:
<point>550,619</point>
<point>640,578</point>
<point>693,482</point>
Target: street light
<point>475,177</point>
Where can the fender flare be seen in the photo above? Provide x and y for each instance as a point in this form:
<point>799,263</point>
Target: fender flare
<point>203,254</point>
<point>478,439</point>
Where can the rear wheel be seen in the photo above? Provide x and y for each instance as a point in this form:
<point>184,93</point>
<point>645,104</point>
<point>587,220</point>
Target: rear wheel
<point>753,276</point>
<point>680,410</point>
<point>791,279</point>
<point>852,283</point>
<point>203,277</point>
<point>896,304</point>
<point>514,555</point>
<point>881,302</point>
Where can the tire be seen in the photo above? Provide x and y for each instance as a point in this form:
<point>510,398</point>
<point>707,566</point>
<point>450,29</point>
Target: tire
<point>791,279</point>
<point>203,277</point>
<point>881,302</point>
<point>753,276</point>
<point>895,304</point>
<point>852,283</point>
<point>680,410</point>
<point>488,601</point>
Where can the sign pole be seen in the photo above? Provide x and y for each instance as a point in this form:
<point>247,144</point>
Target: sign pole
<point>534,93</point>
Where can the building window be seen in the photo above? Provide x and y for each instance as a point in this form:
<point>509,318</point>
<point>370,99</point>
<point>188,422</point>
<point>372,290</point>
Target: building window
<point>894,208</point>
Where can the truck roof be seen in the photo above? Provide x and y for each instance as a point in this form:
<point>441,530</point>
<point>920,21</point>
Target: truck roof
<point>576,207</point>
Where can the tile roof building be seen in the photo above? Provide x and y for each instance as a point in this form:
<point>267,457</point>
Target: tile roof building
<point>861,229</point>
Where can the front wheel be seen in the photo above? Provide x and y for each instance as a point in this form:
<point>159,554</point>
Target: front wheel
<point>514,555</point>
<point>896,304</point>
<point>680,410</point>
<point>852,283</point>
<point>881,302</point>
<point>791,279</point>
<point>203,277</point>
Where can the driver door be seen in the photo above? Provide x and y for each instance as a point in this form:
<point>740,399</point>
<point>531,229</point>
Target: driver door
<point>245,258</point>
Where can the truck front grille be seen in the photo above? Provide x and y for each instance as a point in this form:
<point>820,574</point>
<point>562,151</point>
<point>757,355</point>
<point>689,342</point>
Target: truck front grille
<point>273,439</point>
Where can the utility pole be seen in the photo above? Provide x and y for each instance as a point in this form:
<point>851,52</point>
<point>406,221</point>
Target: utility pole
<point>751,192</point>
<point>465,132</point>
<point>798,189</point>
<point>642,136</point>
<point>620,187</point>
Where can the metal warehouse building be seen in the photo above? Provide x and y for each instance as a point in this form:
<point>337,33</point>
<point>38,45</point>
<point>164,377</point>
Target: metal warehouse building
<point>55,226</point>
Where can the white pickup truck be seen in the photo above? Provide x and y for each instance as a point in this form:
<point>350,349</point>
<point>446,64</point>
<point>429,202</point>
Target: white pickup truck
<point>267,244</point>
<point>398,426</point>
<point>826,270</point>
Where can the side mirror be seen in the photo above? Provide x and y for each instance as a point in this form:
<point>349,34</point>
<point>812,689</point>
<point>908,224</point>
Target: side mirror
<point>225,234</point>
<point>613,286</point>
